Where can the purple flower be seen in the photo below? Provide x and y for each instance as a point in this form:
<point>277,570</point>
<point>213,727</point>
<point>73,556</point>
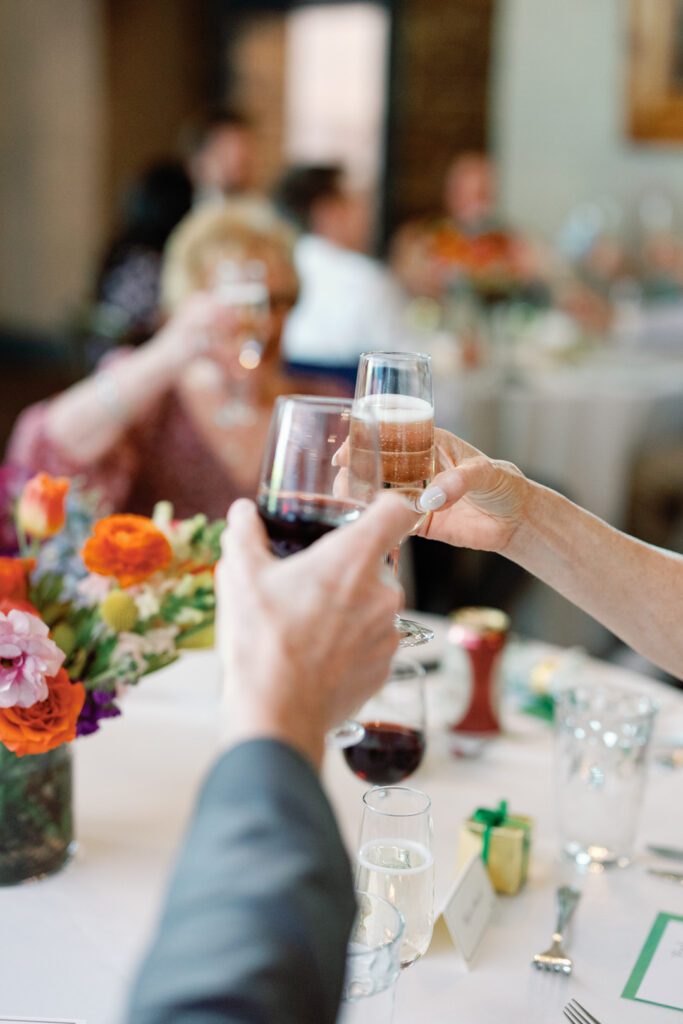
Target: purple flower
<point>98,704</point>
<point>12,480</point>
<point>27,658</point>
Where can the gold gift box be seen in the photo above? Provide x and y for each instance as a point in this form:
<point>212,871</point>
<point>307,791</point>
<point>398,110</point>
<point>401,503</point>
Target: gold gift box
<point>509,850</point>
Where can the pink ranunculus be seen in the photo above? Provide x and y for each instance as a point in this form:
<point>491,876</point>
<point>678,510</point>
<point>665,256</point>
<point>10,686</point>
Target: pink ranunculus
<point>27,658</point>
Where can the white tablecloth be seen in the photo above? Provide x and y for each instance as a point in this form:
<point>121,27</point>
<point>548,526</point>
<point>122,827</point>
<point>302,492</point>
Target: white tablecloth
<point>575,427</point>
<point>68,944</point>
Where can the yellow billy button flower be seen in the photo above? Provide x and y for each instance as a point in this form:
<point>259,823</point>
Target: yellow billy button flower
<point>64,636</point>
<point>119,611</point>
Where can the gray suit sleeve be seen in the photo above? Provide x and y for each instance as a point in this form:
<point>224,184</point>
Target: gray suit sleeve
<point>261,905</point>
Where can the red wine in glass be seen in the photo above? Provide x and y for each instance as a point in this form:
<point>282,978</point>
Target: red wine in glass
<point>295,521</point>
<point>387,753</point>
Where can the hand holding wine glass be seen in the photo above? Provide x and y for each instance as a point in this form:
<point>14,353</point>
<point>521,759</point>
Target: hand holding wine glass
<point>303,495</point>
<point>307,639</point>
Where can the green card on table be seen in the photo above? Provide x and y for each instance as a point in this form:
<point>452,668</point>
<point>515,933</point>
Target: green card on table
<point>657,977</point>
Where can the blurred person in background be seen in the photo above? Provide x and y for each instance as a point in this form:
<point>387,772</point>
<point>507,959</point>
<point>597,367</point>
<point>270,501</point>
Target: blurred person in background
<point>220,153</point>
<point>349,303</point>
<point>469,242</point>
<point>471,194</point>
<point>126,306</point>
<point>153,423</point>
<point>470,254</point>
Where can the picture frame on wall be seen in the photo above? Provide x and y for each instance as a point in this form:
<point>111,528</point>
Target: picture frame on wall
<point>655,71</point>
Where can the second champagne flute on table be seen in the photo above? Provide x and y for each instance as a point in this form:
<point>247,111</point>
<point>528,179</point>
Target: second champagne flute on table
<point>395,861</point>
<point>303,493</point>
<point>396,389</point>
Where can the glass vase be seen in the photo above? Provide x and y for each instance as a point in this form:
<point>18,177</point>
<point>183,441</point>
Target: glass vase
<point>36,819</point>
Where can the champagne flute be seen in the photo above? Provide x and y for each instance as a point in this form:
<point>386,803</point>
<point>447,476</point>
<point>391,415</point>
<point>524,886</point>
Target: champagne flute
<point>395,861</point>
<point>241,285</point>
<point>303,494</point>
<point>397,388</point>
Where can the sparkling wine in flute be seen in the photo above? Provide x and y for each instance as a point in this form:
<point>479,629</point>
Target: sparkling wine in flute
<point>406,440</point>
<point>401,871</point>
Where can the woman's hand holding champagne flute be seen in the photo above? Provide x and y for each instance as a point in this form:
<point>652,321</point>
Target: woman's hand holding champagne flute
<point>395,390</point>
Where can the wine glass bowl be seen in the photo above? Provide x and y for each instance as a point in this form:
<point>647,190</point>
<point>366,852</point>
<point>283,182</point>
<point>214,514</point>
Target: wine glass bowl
<point>303,493</point>
<point>394,742</point>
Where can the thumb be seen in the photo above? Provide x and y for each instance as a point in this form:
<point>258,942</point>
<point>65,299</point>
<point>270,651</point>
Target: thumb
<point>245,537</point>
<point>387,521</point>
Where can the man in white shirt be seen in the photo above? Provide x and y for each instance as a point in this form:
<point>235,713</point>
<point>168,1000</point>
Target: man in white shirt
<point>349,303</point>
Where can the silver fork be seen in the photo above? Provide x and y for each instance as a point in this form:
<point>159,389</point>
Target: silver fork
<point>555,958</point>
<point>578,1014</point>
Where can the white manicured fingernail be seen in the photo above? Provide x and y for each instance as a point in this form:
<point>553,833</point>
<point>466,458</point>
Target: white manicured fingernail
<point>431,499</point>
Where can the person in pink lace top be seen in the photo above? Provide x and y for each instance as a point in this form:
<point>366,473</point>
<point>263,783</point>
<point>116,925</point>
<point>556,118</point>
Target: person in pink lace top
<point>154,423</point>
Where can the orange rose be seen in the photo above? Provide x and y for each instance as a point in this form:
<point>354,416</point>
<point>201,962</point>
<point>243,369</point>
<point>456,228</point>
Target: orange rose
<point>8,604</point>
<point>46,724</point>
<point>41,509</point>
<point>128,547</point>
<point>14,577</point>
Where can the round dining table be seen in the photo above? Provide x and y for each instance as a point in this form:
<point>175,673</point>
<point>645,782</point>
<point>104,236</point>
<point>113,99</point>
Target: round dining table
<point>69,944</point>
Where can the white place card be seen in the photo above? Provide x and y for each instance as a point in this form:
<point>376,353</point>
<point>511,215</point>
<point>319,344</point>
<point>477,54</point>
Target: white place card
<point>657,977</point>
<point>469,907</point>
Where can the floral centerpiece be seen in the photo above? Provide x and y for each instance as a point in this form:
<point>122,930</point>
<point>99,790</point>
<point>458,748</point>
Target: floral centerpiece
<point>88,605</point>
<point>496,265</point>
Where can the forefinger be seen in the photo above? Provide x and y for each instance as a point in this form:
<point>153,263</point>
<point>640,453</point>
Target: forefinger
<point>451,450</point>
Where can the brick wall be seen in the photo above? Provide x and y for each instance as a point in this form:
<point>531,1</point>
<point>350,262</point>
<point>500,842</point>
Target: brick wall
<point>255,55</point>
<point>155,81</point>
<point>439,96</point>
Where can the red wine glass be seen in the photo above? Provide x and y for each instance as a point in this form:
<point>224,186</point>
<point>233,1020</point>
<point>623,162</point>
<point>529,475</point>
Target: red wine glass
<point>394,742</point>
<point>304,492</point>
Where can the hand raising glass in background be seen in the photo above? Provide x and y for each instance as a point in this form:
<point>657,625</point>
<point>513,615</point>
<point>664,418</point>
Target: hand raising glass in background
<point>396,388</point>
<point>241,286</point>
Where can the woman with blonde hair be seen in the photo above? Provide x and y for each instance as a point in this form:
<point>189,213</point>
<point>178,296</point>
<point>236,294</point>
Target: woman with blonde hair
<point>155,423</point>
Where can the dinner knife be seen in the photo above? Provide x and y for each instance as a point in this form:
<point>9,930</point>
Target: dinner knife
<point>670,852</point>
<point>670,876</point>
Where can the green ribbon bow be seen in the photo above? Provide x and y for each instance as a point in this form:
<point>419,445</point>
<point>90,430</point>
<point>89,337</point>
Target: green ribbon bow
<point>490,819</point>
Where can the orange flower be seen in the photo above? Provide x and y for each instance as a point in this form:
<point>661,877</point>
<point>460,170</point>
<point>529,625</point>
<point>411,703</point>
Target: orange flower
<point>41,509</point>
<point>14,577</point>
<point>8,604</point>
<point>128,547</point>
<point>47,724</point>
